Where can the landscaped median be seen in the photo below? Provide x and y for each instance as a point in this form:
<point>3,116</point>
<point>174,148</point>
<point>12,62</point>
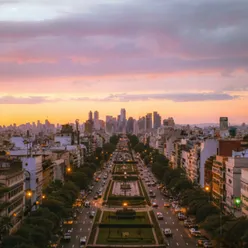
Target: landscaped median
<point>125,227</point>
<point>134,196</point>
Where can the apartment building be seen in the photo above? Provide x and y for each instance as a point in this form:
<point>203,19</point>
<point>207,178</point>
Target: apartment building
<point>219,179</point>
<point>12,177</point>
<point>244,191</point>
<point>234,165</point>
<point>34,179</point>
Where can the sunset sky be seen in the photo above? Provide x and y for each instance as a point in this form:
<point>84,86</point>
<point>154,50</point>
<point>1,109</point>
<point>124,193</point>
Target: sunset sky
<point>183,58</point>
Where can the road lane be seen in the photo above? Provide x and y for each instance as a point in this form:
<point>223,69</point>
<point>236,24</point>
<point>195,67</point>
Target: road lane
<point>181,236</point>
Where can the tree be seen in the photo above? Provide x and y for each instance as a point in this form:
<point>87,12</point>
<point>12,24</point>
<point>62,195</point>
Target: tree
<point>114,139</point>
<point>161,159</point>
<point>109,148</point>
<point>5,225</point>
<point>158,169</point>
<point>133,139</point>
<point>14,241</point>
<point>140,147</point>
<point>204,211</point>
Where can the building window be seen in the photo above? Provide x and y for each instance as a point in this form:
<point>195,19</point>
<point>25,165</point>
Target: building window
<point>229,170</point>
<point>230,181</point>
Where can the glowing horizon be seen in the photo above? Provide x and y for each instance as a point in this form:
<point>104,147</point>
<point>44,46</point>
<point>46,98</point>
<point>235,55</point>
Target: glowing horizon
<point>185,59</point>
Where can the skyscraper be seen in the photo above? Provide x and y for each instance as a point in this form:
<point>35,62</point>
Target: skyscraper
<point>156,120</point>
<point>96,120</point>
<point>148,121</point>
<point>90,116</point>
<point>130,125</point>
<point>123,115</point>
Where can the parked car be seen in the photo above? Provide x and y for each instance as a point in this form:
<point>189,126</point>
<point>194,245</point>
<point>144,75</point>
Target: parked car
<point>202,240</point>
<point>154,204</point>
<point>167,204</point>
<point>195,232</point>
<point>208,245</point>
<point>187,223</point>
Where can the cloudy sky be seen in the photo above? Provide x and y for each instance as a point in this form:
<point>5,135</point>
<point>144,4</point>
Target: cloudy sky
<point>183,58</point>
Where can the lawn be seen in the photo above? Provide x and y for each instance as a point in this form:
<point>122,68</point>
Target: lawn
<point>135,236</point>
<point>141,218</point>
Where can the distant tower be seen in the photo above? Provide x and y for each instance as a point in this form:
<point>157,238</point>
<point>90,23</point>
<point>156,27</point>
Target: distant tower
<point>90,116</point>
<point>96,120</point>
<point>224,131</point>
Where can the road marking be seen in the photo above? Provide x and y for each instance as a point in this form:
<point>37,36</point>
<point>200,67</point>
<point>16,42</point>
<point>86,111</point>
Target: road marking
<point>170,217</point>
<point>166,223</point>
<point>88,229</point>
<point>72,246</point>
<point>173,223</point>
<point>77,237</point>
<point>83,222</point>
<point>81,229</point>
<point>187,244</point>
<point>177,244</point>
<point>177,229</point>
<point>181,235</point>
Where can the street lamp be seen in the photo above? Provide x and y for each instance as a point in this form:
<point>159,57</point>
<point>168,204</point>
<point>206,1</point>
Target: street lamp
<point>125,205</point>
<point>29,193</point>
<point>68,169</point>
<point>207,189</point>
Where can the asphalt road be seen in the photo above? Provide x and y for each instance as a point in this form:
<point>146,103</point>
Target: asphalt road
<point>83,224</point>
<point>181,236</point>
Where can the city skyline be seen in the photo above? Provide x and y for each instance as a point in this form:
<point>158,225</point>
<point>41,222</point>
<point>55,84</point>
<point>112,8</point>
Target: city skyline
<point>186,59</point>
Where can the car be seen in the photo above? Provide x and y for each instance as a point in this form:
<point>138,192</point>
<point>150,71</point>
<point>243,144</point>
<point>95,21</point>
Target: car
<point>202,240</point>
<point>87,204</point>
<point>74,215</point>
<point>167,204</point>
<point>95,197</point>
<point>92,214</point>
<point>181,216</point>
<point>150,191</point>
<point>82,241</point>
<point>153,195</point>
<point>154,204</point>
<point>196,233</point>
<point>187,223</point>
<point>208,245</point>
<point>67,237</point>
<point>168,232</point>
<point>160,216</point>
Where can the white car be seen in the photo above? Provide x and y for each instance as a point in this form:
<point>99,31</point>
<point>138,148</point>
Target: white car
<point>154,204</point>
<point>167,232</point>
<point>160,216</point>
<point>82,242</point>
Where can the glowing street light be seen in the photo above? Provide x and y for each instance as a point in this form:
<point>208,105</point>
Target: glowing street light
<point>29,193</point>
<point>207,188</point>
<point>125,205</point>
<point>68,169</point>
<point>43,196</point>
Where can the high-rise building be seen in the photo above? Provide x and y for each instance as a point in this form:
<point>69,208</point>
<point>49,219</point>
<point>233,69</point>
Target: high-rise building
<point>224,132</point>
<point>156,120</point>
<point>90,116</point>
<point>169,122</point>
<point>123,115</point>
<point>96,120</point>
<point>148,121</point>
<point>130,125</point>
